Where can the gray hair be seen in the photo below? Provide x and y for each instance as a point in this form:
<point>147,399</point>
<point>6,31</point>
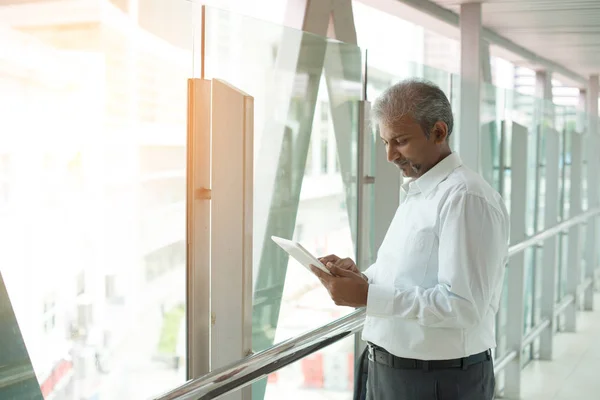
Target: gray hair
<point>422,100</point>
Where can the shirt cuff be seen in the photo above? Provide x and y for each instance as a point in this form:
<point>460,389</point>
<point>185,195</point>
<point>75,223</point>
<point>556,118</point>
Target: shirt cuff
<point>380,300</point>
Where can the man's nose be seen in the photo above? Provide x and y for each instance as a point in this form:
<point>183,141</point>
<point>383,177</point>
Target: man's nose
<point>392,154</point>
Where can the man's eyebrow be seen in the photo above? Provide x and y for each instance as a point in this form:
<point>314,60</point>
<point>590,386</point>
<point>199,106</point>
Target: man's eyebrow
<point>399,135</point>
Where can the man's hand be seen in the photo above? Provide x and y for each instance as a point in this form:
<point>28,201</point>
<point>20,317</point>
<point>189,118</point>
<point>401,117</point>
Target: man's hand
<point>347,264</point>
<point>345,287</point>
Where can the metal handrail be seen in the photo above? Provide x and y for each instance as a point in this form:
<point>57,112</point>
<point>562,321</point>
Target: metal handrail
<point>547,233</point>
<point>248,370</point>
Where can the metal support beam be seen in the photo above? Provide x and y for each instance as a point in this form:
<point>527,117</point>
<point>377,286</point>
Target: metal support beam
<point>581,116</point>
<point>470,83</point>
<point>488,129</point>
<point>549,255</point>
<point>543,85</point>
<point>574,238</point>
<point>593,164</point>
<point>366,180</point>
<point>543,118</point>
<point>486,63</point>
<point>516,268</point>
<point>543,90</point>
<point>365,254</point>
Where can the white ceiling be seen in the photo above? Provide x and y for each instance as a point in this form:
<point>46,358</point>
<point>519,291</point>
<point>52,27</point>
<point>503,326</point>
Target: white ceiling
<point>564,31</point>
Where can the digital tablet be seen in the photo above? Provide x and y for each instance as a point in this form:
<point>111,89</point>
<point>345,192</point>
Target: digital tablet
<point>300,254</point>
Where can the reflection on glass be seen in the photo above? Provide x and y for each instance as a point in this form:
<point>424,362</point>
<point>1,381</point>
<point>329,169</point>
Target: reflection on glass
<point>93,214</point>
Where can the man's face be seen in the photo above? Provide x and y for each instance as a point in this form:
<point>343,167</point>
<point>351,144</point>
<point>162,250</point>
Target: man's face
<point>407,146</point>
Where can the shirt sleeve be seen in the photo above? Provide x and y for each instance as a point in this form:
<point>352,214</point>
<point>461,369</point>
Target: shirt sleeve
<point>369,272</point>
<point>473,249</point>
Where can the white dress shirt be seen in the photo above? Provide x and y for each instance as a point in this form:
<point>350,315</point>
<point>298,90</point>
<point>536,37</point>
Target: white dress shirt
<point>436,285</point>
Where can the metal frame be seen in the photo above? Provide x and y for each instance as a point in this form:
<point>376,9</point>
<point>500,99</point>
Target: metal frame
<point>249,370</point>
<point>198,228</point>
<point>470,84</point>
<point>550,246</point>
<point>574,252</point>
<point>516,266</point>
<point>366,180</point>
<point>544,118</point>
<point>593,192</point>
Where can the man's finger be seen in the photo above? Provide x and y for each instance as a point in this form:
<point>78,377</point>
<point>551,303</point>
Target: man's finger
<point>344,263</point>
<point>329,258</point>
<point>335,270</point>
<point>320,274</point>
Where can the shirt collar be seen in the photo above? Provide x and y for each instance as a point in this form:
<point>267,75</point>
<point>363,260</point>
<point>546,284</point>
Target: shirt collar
<point>430,179</point>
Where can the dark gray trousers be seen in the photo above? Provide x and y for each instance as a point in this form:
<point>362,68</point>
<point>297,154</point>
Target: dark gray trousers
<point>477,382</point>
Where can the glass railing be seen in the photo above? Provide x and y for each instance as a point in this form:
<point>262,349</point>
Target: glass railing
<point>306,90</point>
<point>104,202</point>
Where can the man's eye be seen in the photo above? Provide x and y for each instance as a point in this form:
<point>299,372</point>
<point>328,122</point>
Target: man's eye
<point>401,142</point>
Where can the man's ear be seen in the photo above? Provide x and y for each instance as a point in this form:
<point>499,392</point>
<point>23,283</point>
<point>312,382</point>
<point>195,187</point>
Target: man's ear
<point>440,132</point>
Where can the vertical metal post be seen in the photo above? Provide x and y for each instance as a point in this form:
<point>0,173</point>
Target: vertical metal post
<point>501,316</point>
<point>486,63</point>
<point>366,180</point>
<point>231,227</point>
<point>470,83</point>
<point>581,110</point>
<point>574,252</point>
<point>543,90</point>
<point>593,191</point>
<point>198,228</point>
<point>549,257</point>
<point>516,266</point>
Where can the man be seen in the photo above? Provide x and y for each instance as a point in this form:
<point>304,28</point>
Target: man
<point>432,295</point>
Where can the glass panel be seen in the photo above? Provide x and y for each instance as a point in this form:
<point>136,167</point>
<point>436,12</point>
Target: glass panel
<point>306,90</point>
<point>564,193</point>
<point>492,114</point>
<point>327,374</point>
<point>93,236</point>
